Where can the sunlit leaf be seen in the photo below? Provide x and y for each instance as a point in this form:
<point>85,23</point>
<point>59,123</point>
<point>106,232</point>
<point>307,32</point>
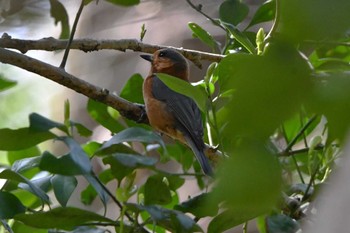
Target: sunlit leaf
<point>6,83</point>
<point>13,156</point>
<point>132,90</point>
<point>265,12</point>
<point>204,36</point>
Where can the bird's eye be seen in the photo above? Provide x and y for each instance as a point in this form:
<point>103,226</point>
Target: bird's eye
<point>161,54</point>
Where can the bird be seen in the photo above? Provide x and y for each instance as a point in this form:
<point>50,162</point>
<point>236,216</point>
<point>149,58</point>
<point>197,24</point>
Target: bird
<point>170,112</point>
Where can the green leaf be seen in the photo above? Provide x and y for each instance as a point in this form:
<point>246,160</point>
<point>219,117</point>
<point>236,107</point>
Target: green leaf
<point>41,124</point>
<point>156,191</point>
<point>226,220</point>
<point>62,218</point>
<point>132,90</point>
<point>26,164</point>
<point>20,227</point>
<point>78,155</point>
<point>59,13</point>
<point>233,11</point>
<point>14,176</point>
<point>99,112</point>
<point>261,99</point>
<point>91,147</point>
<point>204,36</point>
<point>6,83</point>
<point>95,183</point>
<point>23,138</point>
<point>281,223</point>
<point>240,37</point>
<point>63,187</point>
<point>64,165</point>
<point>197,93</point>
<point>327,21</point>
<point>41,181</point>
<point>13,156</point>
<point>10,205</point>
<point>200,206</point>
<point>124,164</point>
<point>82,130</point>
<point>265,12</point>
<point>124,2</point>
<point>172,220</point>
<point>133,134</point>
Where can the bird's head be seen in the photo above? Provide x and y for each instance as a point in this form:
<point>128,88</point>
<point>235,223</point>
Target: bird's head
<point>168,61</point>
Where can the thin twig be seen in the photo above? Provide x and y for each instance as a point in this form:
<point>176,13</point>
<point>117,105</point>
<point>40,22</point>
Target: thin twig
<point>71,36</point>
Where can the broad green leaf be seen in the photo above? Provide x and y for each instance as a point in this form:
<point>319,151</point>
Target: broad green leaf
<point>132,90</point>
<point>255,181</point>
<point>65,218</point>
<point>266,90</point>
<point>226,220</point>
<point>99,112</point>
<point>266,12</point>
<point>233,11</point>
<point>124,2</point>
<point>78,155</point>
<point>204,36</point>
<point>23,138</point>
<point>200,206</point>
<point>91,147</point>
<point>241,38</point>
<point>115,148</point>
<point>172,220</point>
<point>124,164</point>
<point>40,123</point>
<point>14,176</point>
<point>41,181</point>
<point>63,165</point>
<point>300,20</point>
<point>281,223</point>
<point>21,227</point>
<point>13,156</point>
<point>180,153</point>
<point>26,164</point>
<point>134,134</point>
<point>6,83</point>
<point>63,187</point>
<point>59,13</point>
<point>156,192</point>
<point>10,205</point>
<point>197,93</point>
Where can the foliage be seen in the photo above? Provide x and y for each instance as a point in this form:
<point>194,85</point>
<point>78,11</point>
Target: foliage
<point>286,87</point>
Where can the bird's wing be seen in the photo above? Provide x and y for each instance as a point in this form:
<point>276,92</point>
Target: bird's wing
<point>185,110</point>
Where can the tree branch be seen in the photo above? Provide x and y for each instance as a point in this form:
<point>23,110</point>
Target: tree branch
<point>89,45</point>
<point>127,109</point>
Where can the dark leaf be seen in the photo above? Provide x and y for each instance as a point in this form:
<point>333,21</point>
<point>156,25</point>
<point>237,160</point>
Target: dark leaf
<point>62,218</point>
<point>59,13</point>
<point>39,123</point>
<point>95,183</point>
<point>82,130</point>
<point>134,134</point>
<point>156,191</point>
<point>64,165</point>
<point>132,90</point>
<point>124,164</point>
<point>23,138</point>
<point>63,187</point>
<point>10,205</point>
<point>233,11</point>
<point>26,164</point>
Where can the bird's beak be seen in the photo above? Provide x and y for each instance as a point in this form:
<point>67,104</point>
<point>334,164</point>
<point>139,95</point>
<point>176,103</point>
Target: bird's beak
<point>147,57</point>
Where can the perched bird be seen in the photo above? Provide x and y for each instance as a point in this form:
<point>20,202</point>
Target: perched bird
<point>172,113</point>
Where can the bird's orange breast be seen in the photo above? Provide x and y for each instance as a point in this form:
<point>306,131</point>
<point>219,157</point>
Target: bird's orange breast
<point>159,116</point>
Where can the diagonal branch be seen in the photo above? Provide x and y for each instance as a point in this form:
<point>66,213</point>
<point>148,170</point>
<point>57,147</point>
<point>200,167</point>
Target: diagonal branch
<point>89,45</point>
<point>127,109</point>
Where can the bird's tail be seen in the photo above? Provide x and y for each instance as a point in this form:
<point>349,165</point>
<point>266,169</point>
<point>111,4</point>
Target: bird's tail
<point>202,159</point>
